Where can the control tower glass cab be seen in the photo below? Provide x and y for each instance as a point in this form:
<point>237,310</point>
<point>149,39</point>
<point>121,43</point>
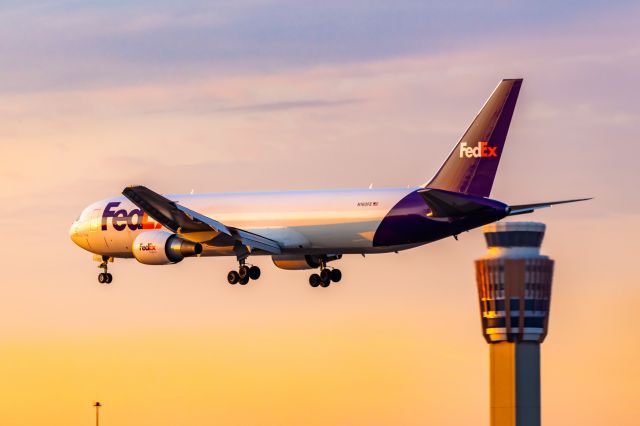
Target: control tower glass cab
<point>514,283</point>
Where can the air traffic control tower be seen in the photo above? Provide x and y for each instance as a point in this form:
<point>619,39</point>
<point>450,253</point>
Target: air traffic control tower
<point>514,291</point>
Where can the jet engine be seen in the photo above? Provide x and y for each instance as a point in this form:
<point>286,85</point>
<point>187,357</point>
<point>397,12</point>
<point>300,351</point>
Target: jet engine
<point>300,262</point>
<point>163,248</point>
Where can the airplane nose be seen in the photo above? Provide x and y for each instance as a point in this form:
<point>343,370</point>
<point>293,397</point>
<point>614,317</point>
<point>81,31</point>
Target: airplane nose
<point>77,237</point>
<point>73,232</point>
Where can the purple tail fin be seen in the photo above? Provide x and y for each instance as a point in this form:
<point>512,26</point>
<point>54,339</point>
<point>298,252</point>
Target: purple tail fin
<point>472,165</point>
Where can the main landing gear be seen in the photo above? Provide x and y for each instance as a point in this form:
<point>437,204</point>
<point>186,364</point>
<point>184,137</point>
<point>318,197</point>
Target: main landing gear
<point>105,277</point>
<point>243,274</point>
<point>326,277</point>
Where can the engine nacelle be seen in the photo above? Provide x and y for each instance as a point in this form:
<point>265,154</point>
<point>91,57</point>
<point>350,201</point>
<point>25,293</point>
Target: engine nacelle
<point>163,248</point>
<point>296,262</point>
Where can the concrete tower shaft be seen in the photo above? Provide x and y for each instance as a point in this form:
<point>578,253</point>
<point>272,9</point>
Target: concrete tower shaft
<point>514,283</point>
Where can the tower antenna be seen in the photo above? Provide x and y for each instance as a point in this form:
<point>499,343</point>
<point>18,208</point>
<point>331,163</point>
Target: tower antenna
<point>97,405</point>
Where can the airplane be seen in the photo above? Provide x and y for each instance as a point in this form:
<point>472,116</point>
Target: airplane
<point>309,229</point>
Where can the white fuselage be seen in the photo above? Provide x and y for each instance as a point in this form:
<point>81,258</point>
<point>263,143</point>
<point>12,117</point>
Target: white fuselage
<point>330,221</point>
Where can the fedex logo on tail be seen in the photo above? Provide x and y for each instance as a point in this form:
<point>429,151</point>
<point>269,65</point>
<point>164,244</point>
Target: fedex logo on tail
<point>482,150</point>
<point>121,219</point>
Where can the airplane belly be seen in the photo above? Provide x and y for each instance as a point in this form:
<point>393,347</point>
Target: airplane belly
<point>351,235</point>
<point>312,238</point>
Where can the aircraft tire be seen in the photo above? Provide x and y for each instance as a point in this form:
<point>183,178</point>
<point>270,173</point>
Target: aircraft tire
<point>325,275</point>
<point>109,278</point>
<point>325,284</point>
<point>233,277</point>
<point>244,281</point>
<point>243,271</point>
<point>314,280</point>
<point>102,278</point>
<point>336,275</point>
<point>254,272</point>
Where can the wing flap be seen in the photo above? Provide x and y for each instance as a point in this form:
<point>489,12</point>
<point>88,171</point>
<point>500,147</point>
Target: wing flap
<point>257,241</point>
<point>195,216</point>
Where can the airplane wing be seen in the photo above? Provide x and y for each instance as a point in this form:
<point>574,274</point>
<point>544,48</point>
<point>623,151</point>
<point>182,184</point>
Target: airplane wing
<point>195,226</point>
<point>528,208</point>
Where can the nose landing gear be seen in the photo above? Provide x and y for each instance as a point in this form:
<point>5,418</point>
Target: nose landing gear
<point>105,277</point>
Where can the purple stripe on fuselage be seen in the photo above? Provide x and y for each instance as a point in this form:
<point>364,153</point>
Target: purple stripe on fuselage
<point>407,222</point>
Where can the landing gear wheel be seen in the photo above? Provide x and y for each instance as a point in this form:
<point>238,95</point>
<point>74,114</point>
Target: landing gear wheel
<point>254,272</point>
<point>314,280</point>
<point>325,284</point>
<point>336,275</point>
<point>243,271</point>
<point>325,275</point>
<point>105,277</point>
<point>233,277</point>
<point>244,281</point>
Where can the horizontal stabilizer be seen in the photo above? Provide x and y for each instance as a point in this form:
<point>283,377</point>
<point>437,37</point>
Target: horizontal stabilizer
<point>446,204</point>
<point>528,208</point>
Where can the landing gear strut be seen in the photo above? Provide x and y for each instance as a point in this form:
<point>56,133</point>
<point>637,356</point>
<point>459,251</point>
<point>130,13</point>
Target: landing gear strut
<point>243,274</point>
<point>326,276</point>
<point>105,277</point>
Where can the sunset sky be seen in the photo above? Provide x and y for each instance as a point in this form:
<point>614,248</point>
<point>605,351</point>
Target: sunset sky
<point>276,95</point>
